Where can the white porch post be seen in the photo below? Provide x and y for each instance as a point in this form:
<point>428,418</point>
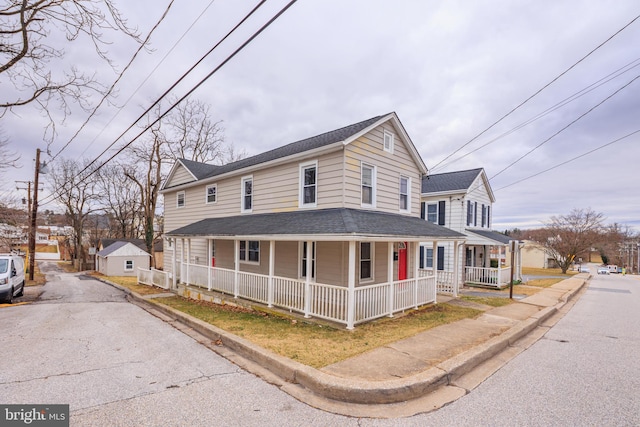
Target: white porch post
<point>209,264</point>
<point>390,277</point>
<point>174,264</point>
<point>434,261</point>
<point>182,275</point>
<point>236,266</point>
<point>416,263</point>
<point>188,260</point>
<point>456,266</point>
<point>307,281</point>
<point>272,269</point>
<point>351,290</point>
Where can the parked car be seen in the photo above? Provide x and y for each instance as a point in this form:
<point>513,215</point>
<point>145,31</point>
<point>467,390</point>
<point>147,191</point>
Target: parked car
<point>11,277</point>
<point>603,270</point>
<point>584,270</point>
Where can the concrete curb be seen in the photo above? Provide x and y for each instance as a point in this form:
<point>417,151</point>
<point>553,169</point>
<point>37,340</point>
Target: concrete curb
<point>348,390</point>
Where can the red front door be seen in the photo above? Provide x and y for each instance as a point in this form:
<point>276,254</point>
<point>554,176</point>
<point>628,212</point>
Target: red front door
<point>402,261</point>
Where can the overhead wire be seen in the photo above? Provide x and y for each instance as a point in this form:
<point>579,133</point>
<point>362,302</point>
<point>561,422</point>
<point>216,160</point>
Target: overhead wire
<point>113,85</point>
<point>570,160</point>
<point>193,89</point>
<point>611,76</point>
<point>566,127</point>
<point>146,79</point>
<point>537,92</point>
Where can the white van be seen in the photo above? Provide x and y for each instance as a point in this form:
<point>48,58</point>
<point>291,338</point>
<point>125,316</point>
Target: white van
<point>11,277</point>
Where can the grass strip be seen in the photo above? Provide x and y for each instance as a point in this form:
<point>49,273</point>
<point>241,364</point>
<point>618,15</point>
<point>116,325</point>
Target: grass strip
<point>311,343</point>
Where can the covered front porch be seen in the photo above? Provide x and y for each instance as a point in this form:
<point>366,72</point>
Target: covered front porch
<point>489,260</point>
<point>365,269</point>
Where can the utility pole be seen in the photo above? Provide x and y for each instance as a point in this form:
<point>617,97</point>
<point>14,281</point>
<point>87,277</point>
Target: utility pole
<point>34,213</point>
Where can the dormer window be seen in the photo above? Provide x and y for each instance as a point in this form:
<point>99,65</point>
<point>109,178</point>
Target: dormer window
<point>388,141</point>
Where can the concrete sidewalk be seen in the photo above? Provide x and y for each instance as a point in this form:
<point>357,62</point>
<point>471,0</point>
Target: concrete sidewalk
<point>410,376</point>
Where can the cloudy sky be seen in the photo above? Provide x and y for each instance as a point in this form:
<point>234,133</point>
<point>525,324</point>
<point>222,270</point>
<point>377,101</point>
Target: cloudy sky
<point>449,69</point>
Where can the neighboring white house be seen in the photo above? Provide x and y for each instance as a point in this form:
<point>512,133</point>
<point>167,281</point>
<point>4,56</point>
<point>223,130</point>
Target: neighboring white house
<point>463,201</point>
<point>328,226</point>
<point>121,258</point>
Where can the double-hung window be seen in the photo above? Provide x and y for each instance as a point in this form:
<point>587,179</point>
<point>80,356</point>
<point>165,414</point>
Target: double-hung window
<point>366,261</point>
<point>128,265</point>
<point>180,199</point>
<point>212,193</point>
<point>247,194</point>
<point>250,251</point>
<point>309,184</point>
<point>368,185</point>
<point>405,186</point>
<point>432,213</point>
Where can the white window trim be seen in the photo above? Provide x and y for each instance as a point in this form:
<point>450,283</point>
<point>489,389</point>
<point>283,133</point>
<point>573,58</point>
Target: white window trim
<point>408,209</point>
<point>391,137</point>
<point>206,194</point>
<point>373,263</point>
<point>242,195</point>
<point>246,248</point>
<point>373,185</point>
<point>314,263</point>
<point>184,199</point>
<point>301,203</point>
<point>132,265</point>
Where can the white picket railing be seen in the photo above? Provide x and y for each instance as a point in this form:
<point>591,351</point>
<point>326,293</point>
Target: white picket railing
<point>487,276</point>
<point>445,283</point>
<point>319,300</point>
<point>153,277</point>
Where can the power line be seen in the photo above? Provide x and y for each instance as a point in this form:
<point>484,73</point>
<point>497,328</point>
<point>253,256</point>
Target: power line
<point>570,160</point>
<point>113,85</point>
<point>566,127</point>
<point>148,76</point>
<point>537,92</point>
<point>166,92</point>
<point>606,79</point>
<point>193,89</point>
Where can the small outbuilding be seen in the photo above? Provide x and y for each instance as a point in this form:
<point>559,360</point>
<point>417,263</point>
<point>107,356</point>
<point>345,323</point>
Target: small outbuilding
<point>121,258</point>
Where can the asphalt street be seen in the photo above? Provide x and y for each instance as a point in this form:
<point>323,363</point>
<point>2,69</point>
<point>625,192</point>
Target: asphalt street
<point>83,344</point>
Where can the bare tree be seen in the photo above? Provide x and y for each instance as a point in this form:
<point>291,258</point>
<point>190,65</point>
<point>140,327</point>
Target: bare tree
<point>32,36</point>
<point>188,132</point>
<point>77,193</point>
<point>121,203</point>
<point>566,236</point>
<point>8,157</point>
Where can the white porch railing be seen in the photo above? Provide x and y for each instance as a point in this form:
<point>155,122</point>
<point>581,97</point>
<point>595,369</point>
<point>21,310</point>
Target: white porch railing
<point>495,277</point>
<point>153,277</point>
<point>444,280</point>
<point>319,300</point>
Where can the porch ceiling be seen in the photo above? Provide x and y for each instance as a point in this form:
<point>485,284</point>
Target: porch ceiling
<point>486,238</point>
<point>322,224</point>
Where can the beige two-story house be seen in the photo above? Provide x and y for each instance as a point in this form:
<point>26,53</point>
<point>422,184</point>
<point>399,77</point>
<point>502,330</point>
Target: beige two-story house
<point>328,226</point>
<point>463,201</point>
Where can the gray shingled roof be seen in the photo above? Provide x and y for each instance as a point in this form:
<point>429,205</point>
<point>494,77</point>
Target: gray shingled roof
<point>338,221</point>
<point>112,248</point>
<point>450,181</point>
<point>203,170</point>
<point>138,242</point>
<point>491,235</point>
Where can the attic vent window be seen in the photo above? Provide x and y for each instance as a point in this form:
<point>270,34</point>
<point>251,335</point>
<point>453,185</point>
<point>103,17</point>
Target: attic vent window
<point>388,141</point>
